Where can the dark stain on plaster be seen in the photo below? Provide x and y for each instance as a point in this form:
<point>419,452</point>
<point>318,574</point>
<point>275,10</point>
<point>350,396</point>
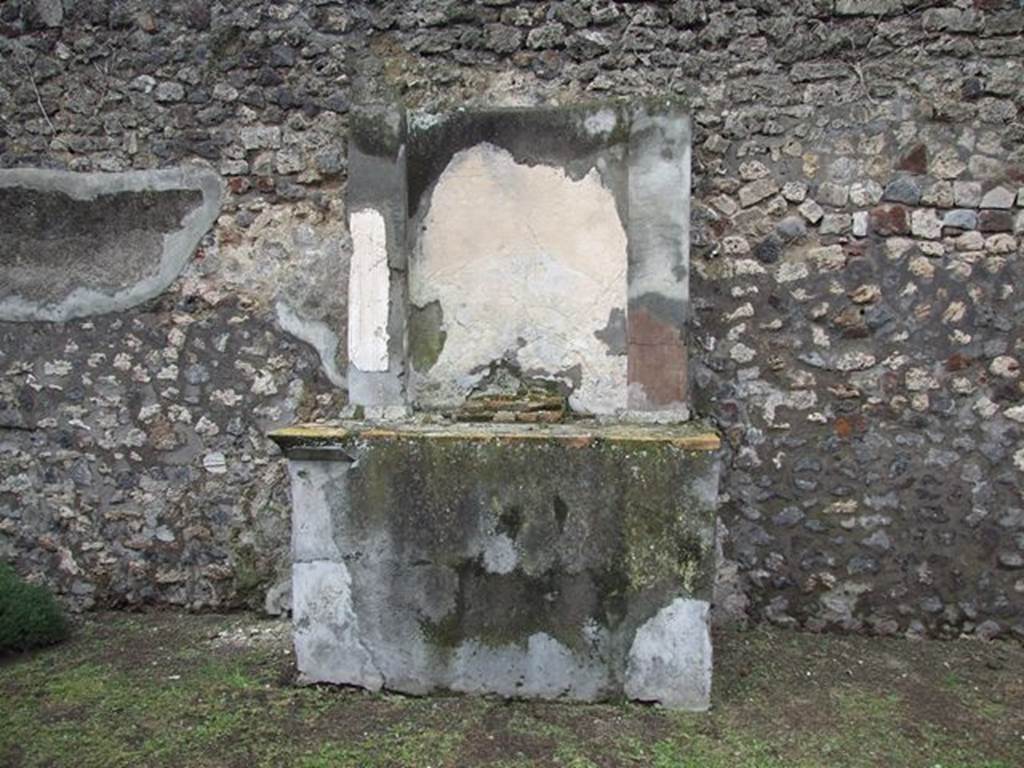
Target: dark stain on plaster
<point>561,512</point>
<point>510,521</point>
<point>426,335</point>
<point>553,136</point>
<point>614,333</point>
<point>378,130</point>
<point>54,243</point>
<point>433,509</point>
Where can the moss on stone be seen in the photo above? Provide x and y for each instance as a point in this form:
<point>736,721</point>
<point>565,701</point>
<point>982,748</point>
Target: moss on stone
<point>594,525</point>
<point>426,335</point>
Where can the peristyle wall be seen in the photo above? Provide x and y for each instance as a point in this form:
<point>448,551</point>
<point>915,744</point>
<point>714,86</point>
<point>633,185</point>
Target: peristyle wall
<point>855,289</point>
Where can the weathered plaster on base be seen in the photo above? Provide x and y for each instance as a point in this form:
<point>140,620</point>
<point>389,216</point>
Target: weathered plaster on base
<point>670,659</point>
<point>544,669</point>
<point>327,643</point>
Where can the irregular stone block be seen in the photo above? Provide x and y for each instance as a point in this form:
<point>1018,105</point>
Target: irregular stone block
<point>486,559</point>
<point>868,7</point>
<point>925,222</point>
<point>794,191</point>
<point>811,211</point>
<point>835,223</point>
<point>834,195</point>
<point>865,193</point>
<point>860,224</point>
<point>960,218</point>
<point>903,190</point>
<point>756,191</point>
<point>79,244</point>
<point>998,197</point>
<point>889,220</point>
<point>995,221</point>
<point>967,193</point>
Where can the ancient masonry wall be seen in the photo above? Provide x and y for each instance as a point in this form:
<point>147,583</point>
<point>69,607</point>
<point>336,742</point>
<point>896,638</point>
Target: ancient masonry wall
<point>858,281</point>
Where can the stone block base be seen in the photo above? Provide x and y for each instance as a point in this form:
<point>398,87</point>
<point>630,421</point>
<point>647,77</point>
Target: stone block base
<point>556,562</point>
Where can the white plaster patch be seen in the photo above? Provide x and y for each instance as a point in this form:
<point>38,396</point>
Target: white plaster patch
<point>545,669</point>
<point>670,659</point>
<point>315,333</point>
<point>527,262</point>
<point>317,487</point>
<point>328,647</point>
<point>600,123</point>
<point>368,292</point>
<point>500,554</point>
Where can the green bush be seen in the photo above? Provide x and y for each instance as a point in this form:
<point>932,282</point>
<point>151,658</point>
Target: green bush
<point>29,614</point>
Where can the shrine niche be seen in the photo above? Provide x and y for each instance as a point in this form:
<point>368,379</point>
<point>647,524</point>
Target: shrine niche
<point>517,503</point>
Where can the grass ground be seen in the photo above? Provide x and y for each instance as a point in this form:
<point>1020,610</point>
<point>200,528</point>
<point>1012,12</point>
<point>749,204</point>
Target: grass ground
<point>169,689</point>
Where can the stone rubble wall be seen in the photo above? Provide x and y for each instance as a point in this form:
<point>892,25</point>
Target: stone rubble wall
<point>857,281</point>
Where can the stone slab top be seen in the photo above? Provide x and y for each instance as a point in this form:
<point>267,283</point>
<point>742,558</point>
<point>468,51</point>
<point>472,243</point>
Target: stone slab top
<point>691,436</point>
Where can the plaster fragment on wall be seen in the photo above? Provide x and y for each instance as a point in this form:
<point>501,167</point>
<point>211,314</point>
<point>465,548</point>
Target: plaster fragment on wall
<point>526,263</point>
<point>601,123</point>
<point>315,333</point>
<point>82,244</point>
<point>368,289</point>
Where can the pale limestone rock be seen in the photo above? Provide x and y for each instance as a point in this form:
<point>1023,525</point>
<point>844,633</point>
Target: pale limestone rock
<point>925,222</point>
<point>752,170</point>
<point>860,224</point>
<point>811,211</point>
<point>939,194</point>
<point>946,164</point>
<point>1002,243</point>
<point>967,193</point>
<point>788,271</point>
<point>735,245</point>
<point>725,204</point>
<point>921,266</point>
<point>865,193</point>
<point>756,191</point>
<point>920,379</point>
<point>1005,366</point>
<point>866,294</point>
<point>828,259</point>
<point>796,192</point>
<point>998,197</point>
<point>984,407</point>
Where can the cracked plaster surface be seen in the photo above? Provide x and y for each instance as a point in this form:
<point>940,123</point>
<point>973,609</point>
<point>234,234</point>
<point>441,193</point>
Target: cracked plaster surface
<point>526,263</point>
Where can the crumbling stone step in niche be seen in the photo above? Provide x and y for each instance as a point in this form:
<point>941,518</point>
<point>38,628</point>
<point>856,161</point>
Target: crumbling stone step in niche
<point>547,561</point>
